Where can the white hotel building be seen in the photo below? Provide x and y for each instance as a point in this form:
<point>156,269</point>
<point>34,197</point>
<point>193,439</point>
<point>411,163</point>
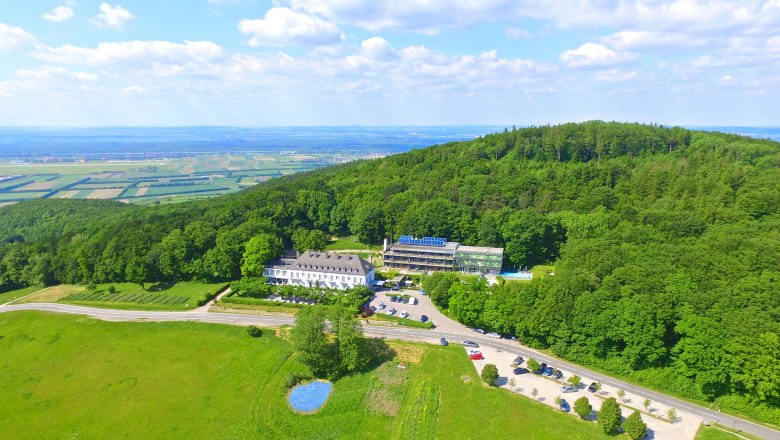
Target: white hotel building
<point>322,269</point>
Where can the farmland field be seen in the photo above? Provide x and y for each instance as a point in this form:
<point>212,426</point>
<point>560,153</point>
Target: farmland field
<point>160,296</point>
<point>150,181</point>
<point>71,376</point>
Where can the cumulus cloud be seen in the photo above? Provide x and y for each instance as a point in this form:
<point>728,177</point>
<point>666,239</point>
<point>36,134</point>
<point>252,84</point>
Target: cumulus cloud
<point>377,48</point>
<point>592,55</point>
<point>12,38</point>
<point>58,14</point>
<point>283,27</point>
<point>654,40</point>
<point>113,17</point>
<point>131,52</point>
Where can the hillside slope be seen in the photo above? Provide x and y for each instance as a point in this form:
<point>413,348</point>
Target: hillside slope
<point>666,243</point>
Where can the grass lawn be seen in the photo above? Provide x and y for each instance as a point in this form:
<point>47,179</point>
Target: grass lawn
<point>713,433</point>
<point>15,294</point>
<point>71,376</point>
<point>52,293</point>
<point>347,243</point>
<point>160,296</point>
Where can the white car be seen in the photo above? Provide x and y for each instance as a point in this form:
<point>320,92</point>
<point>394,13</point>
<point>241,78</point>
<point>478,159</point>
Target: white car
<point>494,335</point>
<point>475,352</point>
<point>391,311</point>
<point>404,314</point>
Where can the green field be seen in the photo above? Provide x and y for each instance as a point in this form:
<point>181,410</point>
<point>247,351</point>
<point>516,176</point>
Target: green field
<point>76,377</point>
<point>168,180</point>
<point>349,243</point>
<point>16,294</point>
<point>712,433</point>
<point>161,296</point>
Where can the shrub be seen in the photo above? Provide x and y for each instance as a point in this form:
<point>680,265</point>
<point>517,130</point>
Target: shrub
<point>583,407</point>
<point>635,427</point>
<point>609,416</point>
<point>533,365</point>
<point>575,381</point>
<point>254,331</point>
<point>490,374</point>
<point>111,289</point>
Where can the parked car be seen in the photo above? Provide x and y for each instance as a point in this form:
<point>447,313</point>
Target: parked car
<point>476,357</point>
<point>444,342</point>
<point>423,292</point>
<point>548,371</point>
<point>565,406</point>
<point>557,374</point>
<point>470,344</point>
<point>568,389</point>
<point>541,369</point>
<point>593,387</point>
<point>412,300</point>
<point>404,300</point>
<point>494,335</point>
<point>480,331</point>
<point>404,314</point>
<point>423,318</point>
<point>395,287</point>
<point>475,352</point>
<point>520,370</point>
<point>373,308</point>
<point>518,361</point>
<point>382,306</point>
<point>393,298</point>
<point>392,311</point>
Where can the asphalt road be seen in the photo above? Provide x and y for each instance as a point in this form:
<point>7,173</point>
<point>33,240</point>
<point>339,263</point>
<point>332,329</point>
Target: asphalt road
<point>409,334</point>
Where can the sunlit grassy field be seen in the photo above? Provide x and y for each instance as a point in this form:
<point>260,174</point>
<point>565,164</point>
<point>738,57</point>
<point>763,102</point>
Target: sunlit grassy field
<point>73,377</point>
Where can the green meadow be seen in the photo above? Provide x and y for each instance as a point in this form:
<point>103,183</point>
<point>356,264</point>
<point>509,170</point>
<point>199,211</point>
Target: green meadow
<point>70,376</point>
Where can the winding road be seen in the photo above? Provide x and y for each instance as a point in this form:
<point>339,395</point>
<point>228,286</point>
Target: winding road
<point>456,333</point>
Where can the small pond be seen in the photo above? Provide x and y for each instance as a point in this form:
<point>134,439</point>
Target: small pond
<point>310,397</point>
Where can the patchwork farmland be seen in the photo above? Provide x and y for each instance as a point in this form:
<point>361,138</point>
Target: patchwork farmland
<point>150,181</point>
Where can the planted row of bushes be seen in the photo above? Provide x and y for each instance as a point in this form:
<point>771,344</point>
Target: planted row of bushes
<point>258,287</point>
<point>136,298</point>
<point>231,299</point>
<point>403,321</point>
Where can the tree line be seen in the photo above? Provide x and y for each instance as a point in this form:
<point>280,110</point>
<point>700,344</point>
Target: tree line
<point>666,243</point>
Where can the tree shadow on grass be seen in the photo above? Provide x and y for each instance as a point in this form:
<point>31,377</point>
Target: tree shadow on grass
<point>379,353</point>
<point>159,287</point>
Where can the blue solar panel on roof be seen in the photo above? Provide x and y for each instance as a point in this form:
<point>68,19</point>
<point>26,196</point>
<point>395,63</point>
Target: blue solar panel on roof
<point>425,241</point>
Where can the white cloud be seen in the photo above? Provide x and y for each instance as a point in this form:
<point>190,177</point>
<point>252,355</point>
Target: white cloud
<point>140,53</point>
<point>12,38</point>
<point>659,40</point>
<point>517,33</point>
<point>377,48</point>
<point>50,73</point>
<point>114,17</point>
<point>58,14</point>
<point>283,27</point>
<point>592,55</point>
<point>132,90</point>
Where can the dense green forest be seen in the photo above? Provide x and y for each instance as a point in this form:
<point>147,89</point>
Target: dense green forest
<point>666,243</point>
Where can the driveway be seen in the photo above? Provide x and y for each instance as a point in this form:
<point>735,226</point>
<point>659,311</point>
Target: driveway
<point>424,306</point>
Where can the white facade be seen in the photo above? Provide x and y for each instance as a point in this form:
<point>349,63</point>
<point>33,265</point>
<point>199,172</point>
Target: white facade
<point>308,278</point>
<point>322,269</point>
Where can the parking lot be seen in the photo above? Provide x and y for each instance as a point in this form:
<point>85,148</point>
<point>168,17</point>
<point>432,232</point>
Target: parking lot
<point>424,306</point>
<point>548,389</point>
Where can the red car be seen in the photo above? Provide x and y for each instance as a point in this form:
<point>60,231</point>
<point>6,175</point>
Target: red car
<point>476,357</point>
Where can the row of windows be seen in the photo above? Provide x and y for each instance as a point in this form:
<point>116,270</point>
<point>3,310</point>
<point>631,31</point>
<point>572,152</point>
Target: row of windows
<point>314,276</point>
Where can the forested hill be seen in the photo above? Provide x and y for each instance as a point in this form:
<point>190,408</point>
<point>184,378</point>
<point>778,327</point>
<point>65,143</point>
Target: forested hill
<point>666,242</point>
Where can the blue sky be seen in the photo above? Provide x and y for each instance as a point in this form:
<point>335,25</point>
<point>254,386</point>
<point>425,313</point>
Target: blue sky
<point>401,62</point>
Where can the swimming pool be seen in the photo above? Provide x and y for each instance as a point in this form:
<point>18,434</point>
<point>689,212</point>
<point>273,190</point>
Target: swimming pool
<point>517,275</point>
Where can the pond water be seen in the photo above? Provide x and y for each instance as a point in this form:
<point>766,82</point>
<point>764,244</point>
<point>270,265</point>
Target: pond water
<point>310,397</point>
